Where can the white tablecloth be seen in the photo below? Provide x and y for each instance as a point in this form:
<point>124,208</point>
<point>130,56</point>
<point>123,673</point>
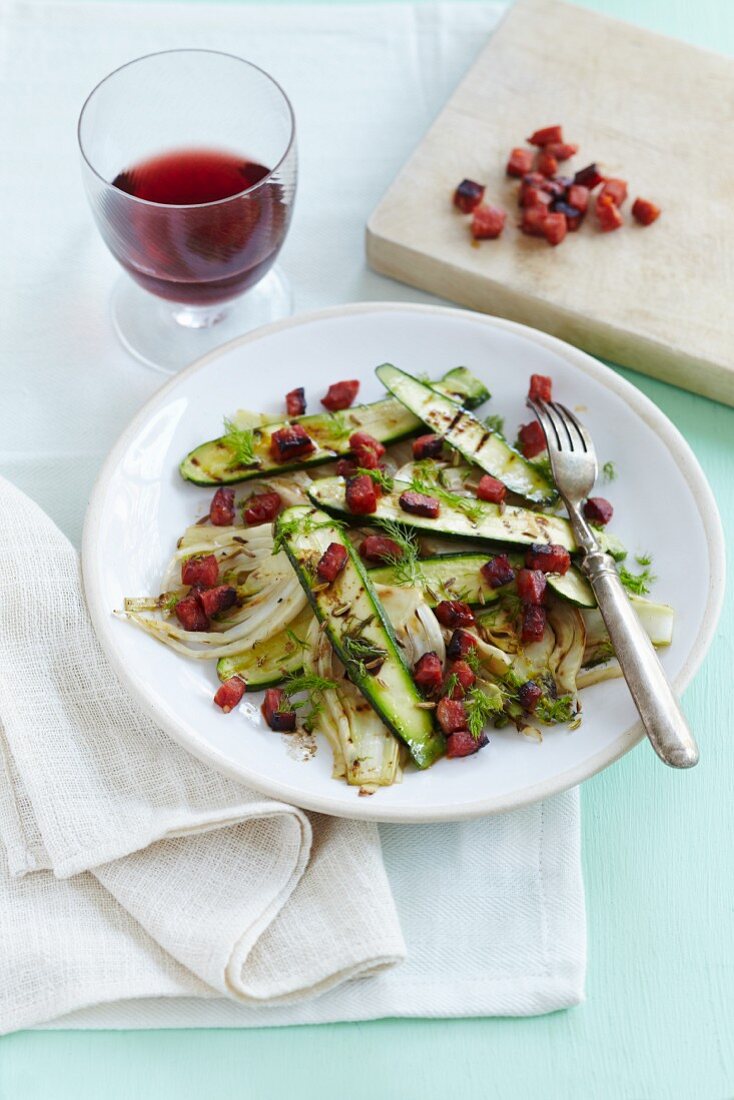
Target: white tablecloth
<point>365,82</point>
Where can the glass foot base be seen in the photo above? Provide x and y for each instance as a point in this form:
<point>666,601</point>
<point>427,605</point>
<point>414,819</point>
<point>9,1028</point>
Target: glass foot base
<point>167,336</point>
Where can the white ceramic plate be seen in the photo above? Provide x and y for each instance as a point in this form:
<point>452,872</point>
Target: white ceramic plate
<point>140,505</point>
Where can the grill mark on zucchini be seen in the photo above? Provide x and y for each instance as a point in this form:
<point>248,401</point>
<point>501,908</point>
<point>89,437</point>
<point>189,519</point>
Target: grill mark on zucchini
<point>498,523</point>
<point>458,577</point>
<point>491,452</point>
<point>389,689</point>
<point>211,463</point>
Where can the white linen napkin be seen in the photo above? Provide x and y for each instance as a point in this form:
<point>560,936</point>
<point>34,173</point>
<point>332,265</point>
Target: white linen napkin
<point>183,899</point>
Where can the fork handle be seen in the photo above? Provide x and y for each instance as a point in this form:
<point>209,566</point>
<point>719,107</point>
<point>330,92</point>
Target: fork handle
<point>664,722</point>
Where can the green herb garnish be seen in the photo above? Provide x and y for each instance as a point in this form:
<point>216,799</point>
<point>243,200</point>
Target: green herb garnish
<point>451,685</point>
<point>609,470</point>
<point>636,583</point>
<point>472,508</point>
<point>312,687</point>
<point>363,656</point>
<point>480,707</point>
<point>339,428</point>
<point>557,710</point>
<point>406,566</point>
<point>379,477</point>
<point>241,442</point>
<point>495,423</point>
<point>473,660</point>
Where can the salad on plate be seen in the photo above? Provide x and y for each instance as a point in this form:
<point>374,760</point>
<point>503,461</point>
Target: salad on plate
<point>396,577</point>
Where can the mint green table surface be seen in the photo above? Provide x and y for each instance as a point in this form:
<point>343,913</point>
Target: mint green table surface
<point>658,1023</point>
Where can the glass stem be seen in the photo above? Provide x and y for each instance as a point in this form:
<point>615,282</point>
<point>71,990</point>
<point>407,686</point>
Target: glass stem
<point>199,316</point>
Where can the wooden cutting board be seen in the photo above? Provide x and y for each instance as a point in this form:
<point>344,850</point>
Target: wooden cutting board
<point>654,111</point>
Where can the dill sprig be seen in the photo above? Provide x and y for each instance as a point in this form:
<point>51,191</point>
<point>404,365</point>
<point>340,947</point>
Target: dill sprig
<point>495,423</point>
<point>643,559</point>
<point>379,477</point>
<point>555,711</point>
<point>637,583</point>
<point>472,508</point>
<point>473,660</point>
<point>451,685</point>
<point>241,442</point>
<point>480,707</point>
<point>609,470</point>
<point>406,566</point>
<point>338,428</point>
<point>363,655</point>
<point>312,687</point>
<point>169,604</point>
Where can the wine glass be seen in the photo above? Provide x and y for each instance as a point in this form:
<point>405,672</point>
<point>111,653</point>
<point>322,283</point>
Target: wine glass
<point>189,163</point>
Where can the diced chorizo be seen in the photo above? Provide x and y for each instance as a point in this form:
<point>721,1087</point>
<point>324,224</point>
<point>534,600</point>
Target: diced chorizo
<point>331,562</point>
<point>191,614</point>
<point>230,693</point>
<point>614,189</point>
<point>262,508</point>
<point>459,645</point>
<point>418,504</point>
<point>428,674</point>
<point>548,557</point>
<point>463,676</point>
<point>520,162</point>
<point>454,613</point>
<point>427,446</point>
<point>340,395</point>
<point>221,509</point>
<point>546,136</point>
<point>487,222</point>
<point>546,164</point>
<point>528,695</point>
<point>532,439</point>
<point>491,489</point>
<point>555,228</point>
<point>275,715</point>
<point>645,212</point>
<point>468,196</point>
<point>221,598</point>
<point>533,623</point>
<point>451,715</point>
<point>295,402</point>
<point>498,572</point>
<point>531,585</point>
<point>361,495</point>
<point>290,442</point>
<point>379,548</point>
<point>541,388</point>
<point>598,510</point>
<point>200,570</point>
<point>464,743</point>
<point>366,450</point>
<point>607,214</point>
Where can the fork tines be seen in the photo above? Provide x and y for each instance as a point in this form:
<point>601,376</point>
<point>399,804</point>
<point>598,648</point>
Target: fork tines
<point>561,427</point>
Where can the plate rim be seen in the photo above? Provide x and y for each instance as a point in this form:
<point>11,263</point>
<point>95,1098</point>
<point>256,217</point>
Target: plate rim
<point>369,809</point>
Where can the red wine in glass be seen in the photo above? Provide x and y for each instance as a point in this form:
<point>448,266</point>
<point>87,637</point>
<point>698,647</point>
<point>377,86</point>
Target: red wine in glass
<point>209,224</point>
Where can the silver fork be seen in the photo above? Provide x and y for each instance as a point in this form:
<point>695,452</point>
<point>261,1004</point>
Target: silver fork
<point>574,465</point>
